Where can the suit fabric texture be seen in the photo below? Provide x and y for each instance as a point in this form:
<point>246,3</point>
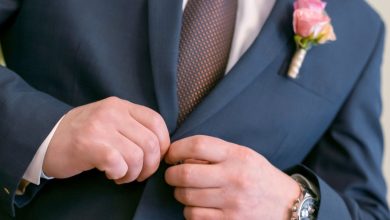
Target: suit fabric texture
<point>324,125</point>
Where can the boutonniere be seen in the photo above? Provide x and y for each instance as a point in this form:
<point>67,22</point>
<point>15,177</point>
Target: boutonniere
<point>312,26</point>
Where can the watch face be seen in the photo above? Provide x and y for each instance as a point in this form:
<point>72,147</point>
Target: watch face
<point>307,209</point>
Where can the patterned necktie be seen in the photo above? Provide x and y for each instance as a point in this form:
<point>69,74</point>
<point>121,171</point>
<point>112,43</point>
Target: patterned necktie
<point>205,41</point>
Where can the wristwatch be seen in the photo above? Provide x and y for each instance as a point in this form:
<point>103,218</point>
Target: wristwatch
<point>306,206</point>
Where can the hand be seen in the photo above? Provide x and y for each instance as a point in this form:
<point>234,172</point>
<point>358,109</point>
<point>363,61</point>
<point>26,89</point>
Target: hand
<point>221,180</point>
<point>125,140</point>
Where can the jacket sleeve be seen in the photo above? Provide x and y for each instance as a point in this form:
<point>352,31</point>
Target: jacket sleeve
<point>346,163</point>
<point>26,118</point>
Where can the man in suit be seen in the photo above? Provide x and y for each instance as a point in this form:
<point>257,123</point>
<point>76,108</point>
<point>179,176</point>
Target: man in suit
<point>96,93</point>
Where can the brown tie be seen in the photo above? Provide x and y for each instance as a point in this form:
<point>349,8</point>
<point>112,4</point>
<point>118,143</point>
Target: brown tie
<point>205,41</point>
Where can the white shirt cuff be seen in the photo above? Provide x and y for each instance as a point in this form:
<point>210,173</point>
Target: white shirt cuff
<point>34,172</point>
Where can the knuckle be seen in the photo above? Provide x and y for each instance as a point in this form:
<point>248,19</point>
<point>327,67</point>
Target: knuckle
<point>186,196</point>
<point>185,176</point>
<point>108,106</point>
<point>244,154</point>
<point>151,144</point>
<point>199,144</point>
<point>250,156</point>
<point>110,157</point>
<point>156,121</point>
<point>241,181</point>
<point>113,100</point>
<point>136,158</point>
<point>154,165</point>
<point>135,164</point>
<point>103,112</point>
<point>137,155</point>
<point>152,153</point>
<point>199,141</point>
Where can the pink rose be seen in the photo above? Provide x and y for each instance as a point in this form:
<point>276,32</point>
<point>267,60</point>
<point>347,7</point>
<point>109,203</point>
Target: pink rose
<point>309,23</point>
<point>310,4</point>
<point>327,34</point>
<point>312,26</point>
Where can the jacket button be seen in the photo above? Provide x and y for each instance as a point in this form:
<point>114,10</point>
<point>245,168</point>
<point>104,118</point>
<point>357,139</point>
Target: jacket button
<point>6,190</point>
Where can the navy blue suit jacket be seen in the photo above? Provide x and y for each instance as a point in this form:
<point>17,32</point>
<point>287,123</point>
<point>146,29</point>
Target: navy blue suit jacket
<point>65,53</point>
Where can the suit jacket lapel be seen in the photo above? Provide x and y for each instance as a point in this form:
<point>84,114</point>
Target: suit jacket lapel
<point>164,35</point>
<point>273,38</point>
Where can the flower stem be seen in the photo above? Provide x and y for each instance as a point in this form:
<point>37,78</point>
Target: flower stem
<point>296,63</point>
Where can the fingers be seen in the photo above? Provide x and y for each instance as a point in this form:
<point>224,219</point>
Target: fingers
<point>134,157</point>
<point>154,122</point>
<point>118,137</point>
<point>191,213</point>
<point>201,148</point>
<point>195,176</point>
<point>110,161</point>
<point>209,197</point>
<point>147,141</point>
<point>147,130</point>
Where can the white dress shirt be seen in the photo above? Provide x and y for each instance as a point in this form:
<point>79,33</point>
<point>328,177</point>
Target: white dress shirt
<point>251,16</point>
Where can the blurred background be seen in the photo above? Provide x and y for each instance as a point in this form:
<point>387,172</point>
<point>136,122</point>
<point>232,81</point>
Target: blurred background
<point>383,8</point>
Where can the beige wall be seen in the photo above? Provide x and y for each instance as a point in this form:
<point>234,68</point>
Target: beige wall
<point>383,7</point>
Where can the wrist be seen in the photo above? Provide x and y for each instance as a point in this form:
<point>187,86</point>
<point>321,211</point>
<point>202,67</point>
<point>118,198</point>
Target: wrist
<point>291,196</point>
<point>288,190</point>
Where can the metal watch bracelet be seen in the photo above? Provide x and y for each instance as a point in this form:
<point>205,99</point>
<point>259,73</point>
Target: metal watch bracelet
<point>306,206</point>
